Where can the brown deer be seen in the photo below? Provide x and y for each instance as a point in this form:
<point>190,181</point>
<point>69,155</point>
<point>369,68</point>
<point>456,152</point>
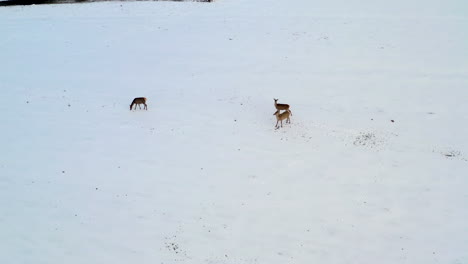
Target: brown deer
<point>139,101</point>
<point>281,117</point>
<point>281,106</point>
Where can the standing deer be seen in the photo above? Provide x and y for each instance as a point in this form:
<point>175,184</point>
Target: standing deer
<point>281,117</point>
<point>139,101</point>
<point>281,106</point>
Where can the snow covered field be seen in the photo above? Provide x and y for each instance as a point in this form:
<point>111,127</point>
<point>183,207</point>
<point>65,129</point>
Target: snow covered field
<point>203,176</point>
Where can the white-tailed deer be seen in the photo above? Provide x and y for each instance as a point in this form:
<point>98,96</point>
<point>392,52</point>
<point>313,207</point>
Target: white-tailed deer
<point>139,101</point>
<point>281,106</point>
<point>281,117</point>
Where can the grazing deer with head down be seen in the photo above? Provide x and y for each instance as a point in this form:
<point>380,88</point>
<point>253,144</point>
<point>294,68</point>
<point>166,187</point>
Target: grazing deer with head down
<point>281,106</point>
<point>139,101</point>
<point>281,117</point>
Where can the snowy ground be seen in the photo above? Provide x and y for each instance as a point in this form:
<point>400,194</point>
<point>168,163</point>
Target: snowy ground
<point>202,176</point>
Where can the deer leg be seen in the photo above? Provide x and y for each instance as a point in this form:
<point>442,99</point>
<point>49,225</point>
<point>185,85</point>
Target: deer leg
<point>281,123</point>
<point>146,107</point>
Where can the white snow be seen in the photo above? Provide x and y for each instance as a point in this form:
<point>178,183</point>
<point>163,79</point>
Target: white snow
<point>203,176</point>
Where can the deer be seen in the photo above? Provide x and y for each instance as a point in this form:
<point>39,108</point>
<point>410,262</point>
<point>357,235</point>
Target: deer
<point>281,117</point>
<point>282,106</point>
<point>139,101</point>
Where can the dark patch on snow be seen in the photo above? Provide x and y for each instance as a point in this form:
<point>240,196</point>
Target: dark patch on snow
<point>365,139</point>
<point>452,154</point>
<point>43,2</point>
